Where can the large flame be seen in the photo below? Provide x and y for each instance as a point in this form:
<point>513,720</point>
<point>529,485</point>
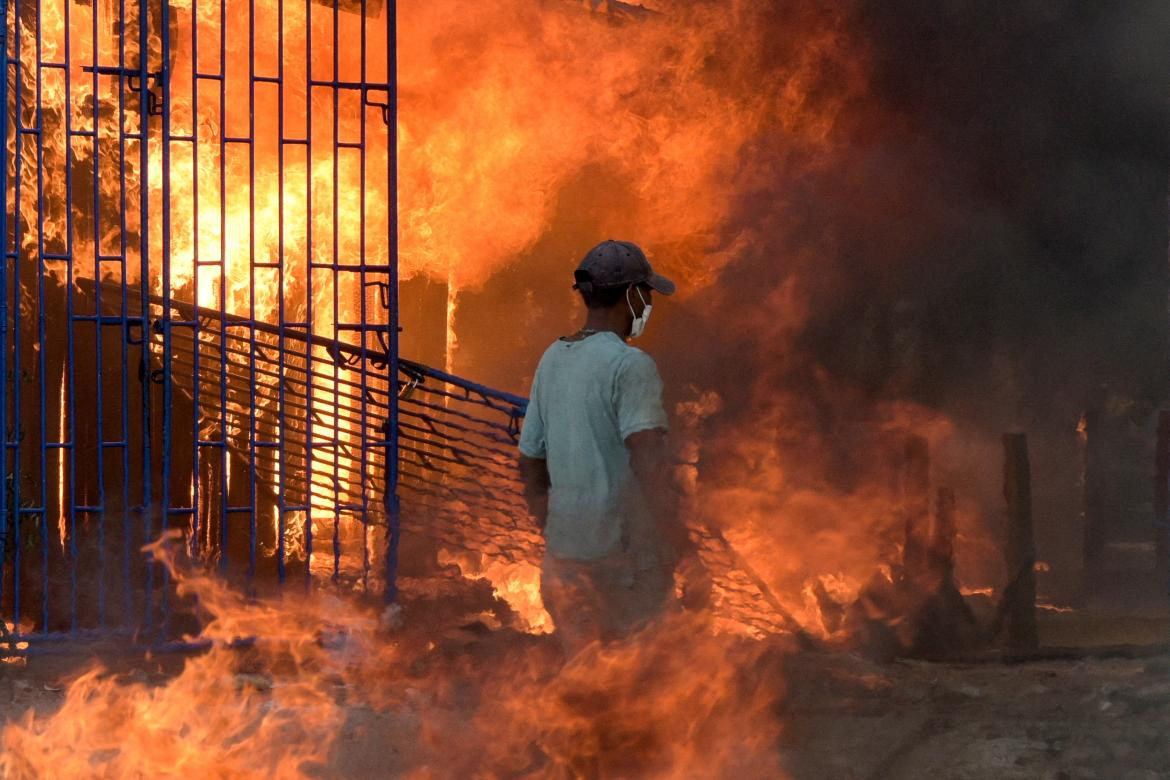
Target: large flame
<point>267,709</point>
<point>283,677</point>
<point>503,102</point>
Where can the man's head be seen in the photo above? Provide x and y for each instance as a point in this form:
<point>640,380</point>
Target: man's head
<point>616,275</point>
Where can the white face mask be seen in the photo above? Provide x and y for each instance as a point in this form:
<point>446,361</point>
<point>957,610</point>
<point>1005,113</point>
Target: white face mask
<point>639,324</point>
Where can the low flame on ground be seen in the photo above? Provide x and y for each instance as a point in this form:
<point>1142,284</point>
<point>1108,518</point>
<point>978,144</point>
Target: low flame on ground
<point>268,709</point>
<point>7,646</point>
<point>516,583</point>
<point>977,591</point>
<point>676,700</point>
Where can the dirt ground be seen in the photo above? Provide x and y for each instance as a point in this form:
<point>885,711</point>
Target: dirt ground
<point>1075,714</point>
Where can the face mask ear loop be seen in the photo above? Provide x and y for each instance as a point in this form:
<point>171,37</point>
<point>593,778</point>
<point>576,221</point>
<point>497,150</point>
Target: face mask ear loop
<point>639,323</point>
<point>630,304</point>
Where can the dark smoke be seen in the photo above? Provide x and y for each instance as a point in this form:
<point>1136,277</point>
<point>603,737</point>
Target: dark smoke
<point>989,239</point>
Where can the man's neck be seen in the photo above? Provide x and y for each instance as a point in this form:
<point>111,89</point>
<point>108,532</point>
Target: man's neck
<point>613,320</point>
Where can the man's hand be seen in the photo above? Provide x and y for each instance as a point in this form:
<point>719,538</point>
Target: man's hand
<point>534,475</point>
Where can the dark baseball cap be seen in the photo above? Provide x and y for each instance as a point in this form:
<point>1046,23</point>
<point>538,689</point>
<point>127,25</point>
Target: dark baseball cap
<point>617,264</point>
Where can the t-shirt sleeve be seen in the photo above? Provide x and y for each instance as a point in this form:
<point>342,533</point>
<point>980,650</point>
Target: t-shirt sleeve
<point>638,394</point>
<point>532,443</point>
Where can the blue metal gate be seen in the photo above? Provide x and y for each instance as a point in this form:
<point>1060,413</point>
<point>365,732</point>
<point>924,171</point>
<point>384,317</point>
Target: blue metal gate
<point>198,300</point>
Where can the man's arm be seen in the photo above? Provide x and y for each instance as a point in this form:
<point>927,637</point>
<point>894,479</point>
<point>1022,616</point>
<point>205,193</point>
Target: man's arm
<point>534,475</point>
<point>649,462</point>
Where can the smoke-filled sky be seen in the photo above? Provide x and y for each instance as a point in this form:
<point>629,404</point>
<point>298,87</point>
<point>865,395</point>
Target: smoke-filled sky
<point>992,216</point>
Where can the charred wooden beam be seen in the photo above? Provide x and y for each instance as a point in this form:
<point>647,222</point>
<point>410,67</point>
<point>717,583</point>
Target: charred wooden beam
<point>915,479</point>
<point>1162,495</point>
<point>942,537</point>
<point>1095,484</point>
<point>1017,608</point>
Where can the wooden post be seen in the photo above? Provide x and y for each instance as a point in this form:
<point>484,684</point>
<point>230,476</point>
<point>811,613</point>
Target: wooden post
<point>1094,481</point>
<point>916,507</point>
<point>942,537</point>
<point>1162,495</point>
<point>1018,606</point>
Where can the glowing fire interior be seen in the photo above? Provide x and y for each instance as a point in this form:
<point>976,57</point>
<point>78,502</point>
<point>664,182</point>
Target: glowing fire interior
<point>239,163</point>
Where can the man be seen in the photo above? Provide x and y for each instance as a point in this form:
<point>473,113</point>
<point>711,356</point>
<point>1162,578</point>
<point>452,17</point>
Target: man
<point>593,459</point>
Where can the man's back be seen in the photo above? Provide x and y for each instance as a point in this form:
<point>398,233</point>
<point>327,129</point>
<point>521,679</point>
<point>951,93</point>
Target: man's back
<point>588,396</point>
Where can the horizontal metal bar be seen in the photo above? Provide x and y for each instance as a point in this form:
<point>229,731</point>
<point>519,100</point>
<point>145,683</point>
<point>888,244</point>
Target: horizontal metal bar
<point>373,86</point>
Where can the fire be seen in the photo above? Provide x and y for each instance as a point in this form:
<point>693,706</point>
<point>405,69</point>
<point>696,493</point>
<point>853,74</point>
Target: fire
<point>493,124</point>
<point>271,229</point>
<point>677,700</point>
<point>284,678</point>
<point>516,583</point>
<point>11,649</point>
<point>815,539</point>
<point>500,105</point>
<point>266,708</point>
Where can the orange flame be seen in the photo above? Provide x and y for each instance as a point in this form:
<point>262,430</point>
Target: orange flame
<point>270,710</point>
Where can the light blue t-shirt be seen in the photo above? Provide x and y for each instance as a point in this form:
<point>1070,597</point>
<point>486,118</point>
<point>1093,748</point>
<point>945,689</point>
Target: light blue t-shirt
<point>587,397</point>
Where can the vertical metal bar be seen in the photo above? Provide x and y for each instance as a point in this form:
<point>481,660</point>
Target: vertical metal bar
<point>311,255</point>
<point>363,315</point>
<point>391,495</point>
<point>164,84</point>
<point>280,316</point>
<point>336,153</point>
<point>40,360</point>
<point>222,299</point>
<point>124,322</point>
<point>5,519</point>
<point>70,493</point>
<point>252,285</point>
<point>99,328</point>
<point>196,397</point>
<point>144,292</point>
<point>17,421</point>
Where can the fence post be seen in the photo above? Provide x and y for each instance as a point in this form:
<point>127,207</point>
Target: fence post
<point>1162,495</point>
<point>1018,605</point>
<point>915,479</point>
<point>942,538</point>
<point>1094,482</point>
